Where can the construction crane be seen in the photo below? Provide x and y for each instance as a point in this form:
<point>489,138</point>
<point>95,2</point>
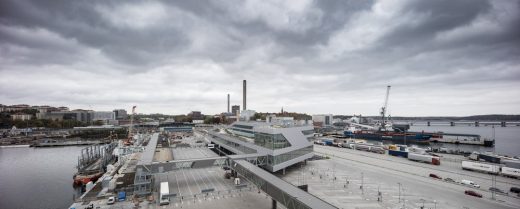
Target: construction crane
<point>384,108</point>
<point>129,139</point>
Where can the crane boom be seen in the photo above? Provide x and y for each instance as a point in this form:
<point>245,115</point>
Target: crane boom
<point>131,123</point>
<point>384,108</point>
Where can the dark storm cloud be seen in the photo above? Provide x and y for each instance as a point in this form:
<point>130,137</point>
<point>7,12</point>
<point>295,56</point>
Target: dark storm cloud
<point>192,53</point>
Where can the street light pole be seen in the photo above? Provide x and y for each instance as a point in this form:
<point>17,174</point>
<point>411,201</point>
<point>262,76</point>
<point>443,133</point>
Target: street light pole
<point>493,177</point>
<point>399,191</point>
<point>362,183</point>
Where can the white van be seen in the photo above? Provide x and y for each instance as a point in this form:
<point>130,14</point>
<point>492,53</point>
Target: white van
<point>469,183</point>
<point>164,198</point>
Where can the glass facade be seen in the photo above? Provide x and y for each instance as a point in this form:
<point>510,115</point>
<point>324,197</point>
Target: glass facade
<point>243,126</point>
<point>273,160</point>
<point>244,149</point>
<point>271,141</point>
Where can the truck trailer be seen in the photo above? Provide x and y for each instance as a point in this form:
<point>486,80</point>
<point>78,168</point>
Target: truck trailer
<point>510,172</point>
<point>398,153</point>
<point>424,158</point>
<point>482,167</point>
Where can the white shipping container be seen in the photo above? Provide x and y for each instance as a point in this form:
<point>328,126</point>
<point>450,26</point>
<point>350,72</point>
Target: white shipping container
<point>484,167</point>
<point>423,158</point>
<point>512,172</point>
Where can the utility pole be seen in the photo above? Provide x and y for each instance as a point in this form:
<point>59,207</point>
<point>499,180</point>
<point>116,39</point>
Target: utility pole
<point>493,177</point>
<point>399,191</point>
<point>362,183</point>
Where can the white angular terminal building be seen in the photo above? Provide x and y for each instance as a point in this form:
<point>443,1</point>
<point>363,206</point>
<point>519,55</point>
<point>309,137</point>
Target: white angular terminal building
<point>283,144</point>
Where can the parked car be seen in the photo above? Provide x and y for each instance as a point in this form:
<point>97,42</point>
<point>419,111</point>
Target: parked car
<point>497,190</point>
<point>515,190</point>
<point>472,193</point>
<point>450,180</point>
<point>111,200</point>
<point>435,176</point>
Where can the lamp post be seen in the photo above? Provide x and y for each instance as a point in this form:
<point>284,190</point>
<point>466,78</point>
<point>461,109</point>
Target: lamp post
<point>362,183</point>
<point>399,191</point>
<point>493,177</point>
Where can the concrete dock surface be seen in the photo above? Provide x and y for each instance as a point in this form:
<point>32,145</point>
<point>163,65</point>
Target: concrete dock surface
<point>353,179</point>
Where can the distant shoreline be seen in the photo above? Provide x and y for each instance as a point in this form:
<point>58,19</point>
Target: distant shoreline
<point>15,146</point>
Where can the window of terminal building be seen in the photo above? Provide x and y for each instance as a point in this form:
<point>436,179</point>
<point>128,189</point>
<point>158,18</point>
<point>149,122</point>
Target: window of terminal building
<point>273,160</point>
<point>271,141</point>
<point>243,126</point>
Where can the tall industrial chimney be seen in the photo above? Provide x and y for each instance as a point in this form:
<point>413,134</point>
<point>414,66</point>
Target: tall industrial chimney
<point>228,102</point>
<point>244,95</point>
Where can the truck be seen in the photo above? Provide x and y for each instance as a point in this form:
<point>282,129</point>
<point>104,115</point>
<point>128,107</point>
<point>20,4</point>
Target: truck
<point>328,142</point>
<point>469,183</point>
<point>363,147</point>
<point>121,196</point>
<point>398,153</point>
<point>164,196</point>
<point>489,158</point>
<point>510,172</point>
<point>482,167</point>
<point>377,149</point>
<point>424,158</point>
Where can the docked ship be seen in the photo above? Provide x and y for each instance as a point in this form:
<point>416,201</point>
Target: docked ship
<point>392,136</point>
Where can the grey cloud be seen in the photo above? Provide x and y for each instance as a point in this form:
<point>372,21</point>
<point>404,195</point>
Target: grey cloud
<point>314,56</point>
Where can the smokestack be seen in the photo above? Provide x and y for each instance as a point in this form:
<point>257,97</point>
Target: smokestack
<point>227,102</point>
<point>244,94</point>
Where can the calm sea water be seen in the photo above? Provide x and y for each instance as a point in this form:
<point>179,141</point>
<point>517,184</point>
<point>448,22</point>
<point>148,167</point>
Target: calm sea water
<point>37,177</point>
<point>507,139</point>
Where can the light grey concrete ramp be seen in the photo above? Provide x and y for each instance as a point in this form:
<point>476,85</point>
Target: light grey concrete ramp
<point>283,192</point>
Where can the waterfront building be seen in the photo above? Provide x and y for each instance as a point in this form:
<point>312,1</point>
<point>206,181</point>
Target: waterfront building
<point>196,115</point>
<point>120,114</point>
<point>63,108</point>
<point>235,109</point>
<point>322,119</point>
<point>246,115</point>
<point>283,144</point>
<point>103,115</point>
<point>176,127</point>
<point>21,116</point>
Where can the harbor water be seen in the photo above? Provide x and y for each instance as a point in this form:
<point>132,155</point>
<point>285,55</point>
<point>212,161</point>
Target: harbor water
<point>507,139</point>
<point>37,177</point>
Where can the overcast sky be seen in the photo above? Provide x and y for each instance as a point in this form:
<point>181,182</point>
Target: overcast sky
<point>442,58</point>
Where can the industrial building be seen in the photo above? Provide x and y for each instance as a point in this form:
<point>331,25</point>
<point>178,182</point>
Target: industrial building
<point>322,120</point>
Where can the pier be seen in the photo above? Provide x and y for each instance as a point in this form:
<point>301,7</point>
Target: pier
<point>95,157</point>
<point>61,143</point>
<point>466,123</point>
